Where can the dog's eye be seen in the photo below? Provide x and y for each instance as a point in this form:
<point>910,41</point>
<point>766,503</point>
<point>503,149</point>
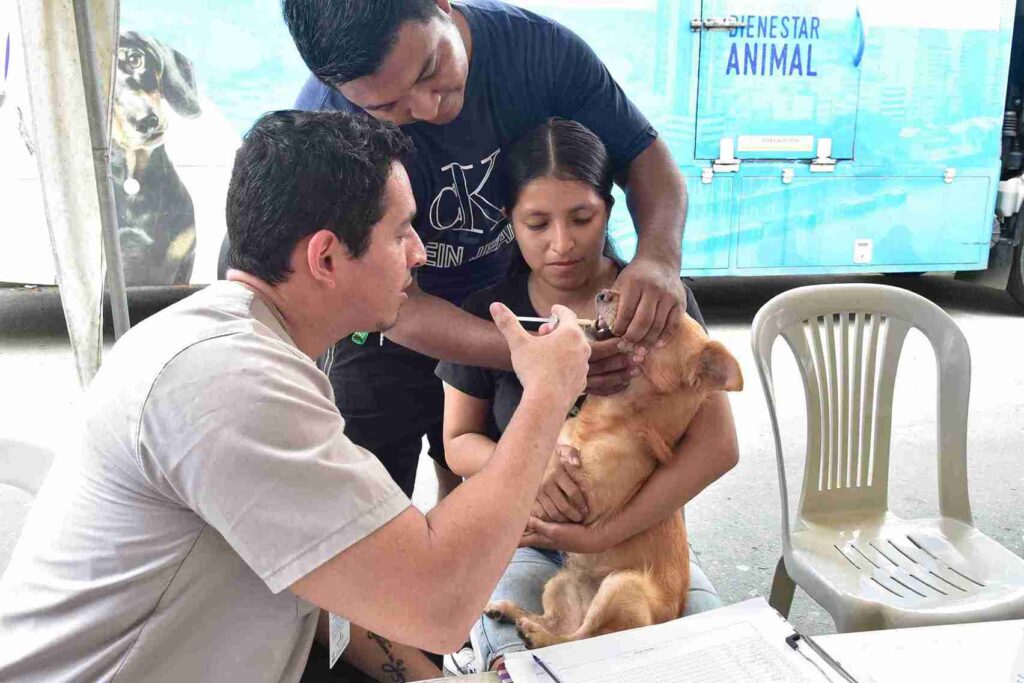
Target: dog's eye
<point>135,59</point>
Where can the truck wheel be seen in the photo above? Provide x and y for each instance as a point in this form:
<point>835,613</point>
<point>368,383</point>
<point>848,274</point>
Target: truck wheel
<point>1015,286</point>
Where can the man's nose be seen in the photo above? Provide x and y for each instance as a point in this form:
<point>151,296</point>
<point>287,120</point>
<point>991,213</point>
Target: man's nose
<point>425,104</point>
<point>418,253</point>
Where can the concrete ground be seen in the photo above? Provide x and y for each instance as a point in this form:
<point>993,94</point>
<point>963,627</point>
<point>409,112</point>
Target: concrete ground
<point>734,524</point>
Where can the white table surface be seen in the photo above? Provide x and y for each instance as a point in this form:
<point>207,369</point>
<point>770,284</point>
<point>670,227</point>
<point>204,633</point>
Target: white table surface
<point>974,653</point>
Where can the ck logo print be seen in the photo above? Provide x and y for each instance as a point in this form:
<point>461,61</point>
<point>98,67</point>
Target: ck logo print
<point>463,217</point>
<point>458,206</point>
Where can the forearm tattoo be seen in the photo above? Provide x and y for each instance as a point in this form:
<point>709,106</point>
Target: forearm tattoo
<point>393,667</point>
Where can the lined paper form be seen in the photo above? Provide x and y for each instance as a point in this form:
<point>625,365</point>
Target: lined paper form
<point>736,644</point>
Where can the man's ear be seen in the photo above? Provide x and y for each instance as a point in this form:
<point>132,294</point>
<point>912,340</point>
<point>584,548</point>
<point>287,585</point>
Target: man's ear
<point>715,369</point>
<point>445,6</point>
<point>322,252</point>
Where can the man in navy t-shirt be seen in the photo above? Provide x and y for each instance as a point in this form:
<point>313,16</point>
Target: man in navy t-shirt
<point>464,80</point>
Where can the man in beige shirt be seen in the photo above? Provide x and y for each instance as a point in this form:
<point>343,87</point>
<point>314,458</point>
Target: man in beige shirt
<point>214,503</point>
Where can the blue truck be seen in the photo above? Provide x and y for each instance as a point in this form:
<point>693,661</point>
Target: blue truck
<point>816,136</point>
<point>831,136</point>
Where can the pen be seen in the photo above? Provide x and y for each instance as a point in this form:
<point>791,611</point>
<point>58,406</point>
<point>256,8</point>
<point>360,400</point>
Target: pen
<point>547,670</point>
<point>791,641</point>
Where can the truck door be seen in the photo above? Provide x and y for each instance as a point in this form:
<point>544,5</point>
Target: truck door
<point>777,79</point>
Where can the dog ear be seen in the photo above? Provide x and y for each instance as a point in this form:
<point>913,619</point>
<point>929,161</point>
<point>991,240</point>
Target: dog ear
<point>715,369</point>
<point>177,80</point>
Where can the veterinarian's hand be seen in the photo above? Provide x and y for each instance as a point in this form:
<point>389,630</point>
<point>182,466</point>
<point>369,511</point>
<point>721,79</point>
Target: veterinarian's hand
<point>652,301</point>
<point>573,538</point>
<point>554,361</point>
<point>613,363</point>
<point>560,498</point>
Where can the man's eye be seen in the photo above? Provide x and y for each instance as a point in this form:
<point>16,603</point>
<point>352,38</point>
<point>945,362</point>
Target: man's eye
<point>536,226</point>
<point>433,69</point>
<point>582,220</point>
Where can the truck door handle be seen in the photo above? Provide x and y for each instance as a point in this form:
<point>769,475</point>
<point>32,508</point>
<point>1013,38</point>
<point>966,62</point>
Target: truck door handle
<point>726,24</point>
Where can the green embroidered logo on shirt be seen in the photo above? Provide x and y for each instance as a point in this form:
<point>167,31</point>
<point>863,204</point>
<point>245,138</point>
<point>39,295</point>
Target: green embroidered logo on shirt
<point>360,338</point>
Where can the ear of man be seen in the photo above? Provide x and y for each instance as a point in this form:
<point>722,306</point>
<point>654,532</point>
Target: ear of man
<point>322,249</point>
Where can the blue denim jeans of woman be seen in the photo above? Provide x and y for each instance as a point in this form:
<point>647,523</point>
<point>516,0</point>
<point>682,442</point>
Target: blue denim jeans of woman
<point>523,583</point>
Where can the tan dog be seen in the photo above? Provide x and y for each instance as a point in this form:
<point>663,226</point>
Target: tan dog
<point>621,439</point>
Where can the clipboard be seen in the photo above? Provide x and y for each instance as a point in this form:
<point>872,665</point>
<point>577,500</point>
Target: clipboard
<point>742,642</point>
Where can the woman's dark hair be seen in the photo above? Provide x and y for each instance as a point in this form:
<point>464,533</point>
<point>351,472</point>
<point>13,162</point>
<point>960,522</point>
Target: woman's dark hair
<point>564,150</point>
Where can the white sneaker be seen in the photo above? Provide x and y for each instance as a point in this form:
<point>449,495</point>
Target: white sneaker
<point>460,663</point>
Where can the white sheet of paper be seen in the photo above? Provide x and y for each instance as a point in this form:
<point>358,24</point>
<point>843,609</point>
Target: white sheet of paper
<point>736,644</point>
<point>961,652</point>
<point>1017,675</point>
<point>340,635</point>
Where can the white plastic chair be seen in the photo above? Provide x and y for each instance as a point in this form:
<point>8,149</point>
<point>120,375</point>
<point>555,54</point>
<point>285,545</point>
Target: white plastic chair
<point>23,467</point>
<point>867,567</point>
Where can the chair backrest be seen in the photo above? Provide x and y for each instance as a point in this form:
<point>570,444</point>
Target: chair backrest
<point>23,468</point>
<point>24,465</point>
<point>847,340</point>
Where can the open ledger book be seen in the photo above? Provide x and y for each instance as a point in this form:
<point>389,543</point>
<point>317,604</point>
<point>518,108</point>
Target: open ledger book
<point>745,642</point>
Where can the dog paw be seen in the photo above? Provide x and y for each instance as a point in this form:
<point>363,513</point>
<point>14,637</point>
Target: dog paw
<point>499,610</point>
<point>533,634</point>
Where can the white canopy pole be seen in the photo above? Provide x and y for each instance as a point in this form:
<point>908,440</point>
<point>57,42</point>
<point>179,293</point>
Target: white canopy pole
<point>67,165</point>
<point>97,49</point>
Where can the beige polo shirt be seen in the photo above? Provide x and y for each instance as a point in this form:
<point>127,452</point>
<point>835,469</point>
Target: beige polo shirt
<point>212,473</point>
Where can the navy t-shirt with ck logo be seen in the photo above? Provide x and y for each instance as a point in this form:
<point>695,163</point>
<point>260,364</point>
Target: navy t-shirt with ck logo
<point>524,69</point>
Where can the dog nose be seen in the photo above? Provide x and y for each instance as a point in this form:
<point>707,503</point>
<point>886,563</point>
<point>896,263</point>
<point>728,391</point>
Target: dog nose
<point>148,123</point>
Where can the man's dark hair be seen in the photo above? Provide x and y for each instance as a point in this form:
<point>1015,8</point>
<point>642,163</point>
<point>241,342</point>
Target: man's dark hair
<point>342,40</point>
<point>300,172</point>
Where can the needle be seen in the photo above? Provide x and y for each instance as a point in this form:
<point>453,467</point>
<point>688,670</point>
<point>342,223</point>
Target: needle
<point>583,322</point>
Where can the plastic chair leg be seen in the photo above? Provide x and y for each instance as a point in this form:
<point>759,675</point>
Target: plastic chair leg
<point>781,597</point>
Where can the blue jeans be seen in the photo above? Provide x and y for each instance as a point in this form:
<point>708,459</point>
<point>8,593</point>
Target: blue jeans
<point>523,583</point>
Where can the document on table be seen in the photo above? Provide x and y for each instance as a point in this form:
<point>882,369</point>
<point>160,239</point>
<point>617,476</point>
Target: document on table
<point>978,652</point>
<point>1017,674</point>
<point>736,644</point>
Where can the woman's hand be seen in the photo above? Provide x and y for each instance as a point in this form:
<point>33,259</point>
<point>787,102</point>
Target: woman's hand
<point>612,365</point>
<point>560,498</point>
<point>568,537</point>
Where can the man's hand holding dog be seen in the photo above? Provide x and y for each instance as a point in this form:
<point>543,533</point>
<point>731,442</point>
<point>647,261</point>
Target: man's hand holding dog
<point>653,299</point>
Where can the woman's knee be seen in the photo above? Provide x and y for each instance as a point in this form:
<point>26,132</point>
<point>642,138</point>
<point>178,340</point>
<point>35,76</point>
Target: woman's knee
<point>522,583</point>
<point>701,596</point>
